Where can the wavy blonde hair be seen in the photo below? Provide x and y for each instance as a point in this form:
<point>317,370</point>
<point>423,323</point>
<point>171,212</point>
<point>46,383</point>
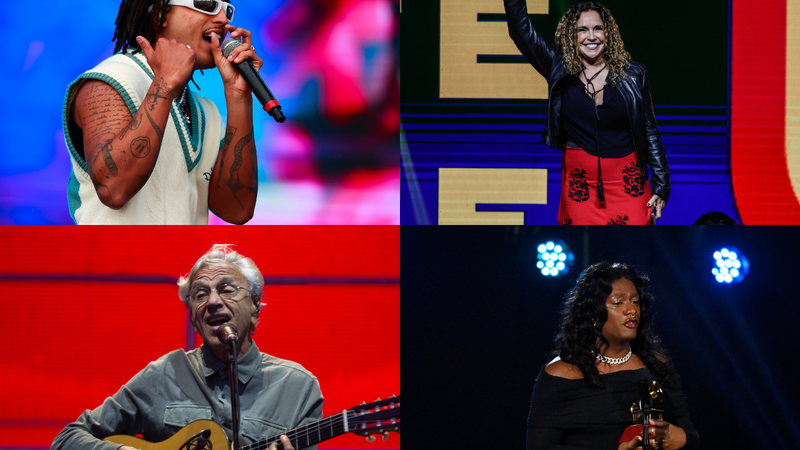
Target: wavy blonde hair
<point>615,55</point>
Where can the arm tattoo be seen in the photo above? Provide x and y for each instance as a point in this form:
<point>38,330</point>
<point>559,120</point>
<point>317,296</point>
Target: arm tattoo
<point>229,132</point>
<point>253,154</point>
<point>105,148</point>
<point>140,147</point>
<point>152,100</point>
<point>159,132</point>
<point>234,183</point>
<point>161,87</point>
<point>104,112</point>
<point>137,120</point>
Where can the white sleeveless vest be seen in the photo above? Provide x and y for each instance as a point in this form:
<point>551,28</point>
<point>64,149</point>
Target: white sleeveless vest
<point>177,191</point>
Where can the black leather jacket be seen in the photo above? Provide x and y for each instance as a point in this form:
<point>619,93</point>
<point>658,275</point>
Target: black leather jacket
<point>635,89</point>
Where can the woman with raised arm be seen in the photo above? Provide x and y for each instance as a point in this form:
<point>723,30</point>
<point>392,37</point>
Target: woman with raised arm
<point>601,116</point>
<point>584,398</point>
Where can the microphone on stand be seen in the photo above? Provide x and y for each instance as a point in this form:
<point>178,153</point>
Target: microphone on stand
<point>260,89</point>
<point>227,332</point>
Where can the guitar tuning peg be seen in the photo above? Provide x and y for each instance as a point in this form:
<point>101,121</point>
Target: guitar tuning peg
<point>385,436</point>
<point>370,438</point>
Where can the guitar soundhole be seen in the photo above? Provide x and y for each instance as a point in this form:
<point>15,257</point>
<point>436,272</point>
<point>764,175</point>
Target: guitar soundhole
<point>199,441</point>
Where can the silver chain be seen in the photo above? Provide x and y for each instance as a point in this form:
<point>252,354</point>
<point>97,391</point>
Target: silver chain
<point>607,360</point>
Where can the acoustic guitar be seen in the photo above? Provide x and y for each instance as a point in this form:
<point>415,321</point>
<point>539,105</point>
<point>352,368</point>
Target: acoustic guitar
<point>367,419</point>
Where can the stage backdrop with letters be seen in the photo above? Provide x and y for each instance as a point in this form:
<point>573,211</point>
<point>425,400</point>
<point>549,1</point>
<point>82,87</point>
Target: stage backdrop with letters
<point>473,109</point>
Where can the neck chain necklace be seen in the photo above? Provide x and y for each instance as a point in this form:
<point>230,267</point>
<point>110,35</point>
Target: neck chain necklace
<point>608,360</point>
<point>184,107</point>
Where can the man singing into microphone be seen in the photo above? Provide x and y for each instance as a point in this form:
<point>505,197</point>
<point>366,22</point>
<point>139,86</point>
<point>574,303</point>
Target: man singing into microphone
<point>180,387</point>
<point>144,148</point>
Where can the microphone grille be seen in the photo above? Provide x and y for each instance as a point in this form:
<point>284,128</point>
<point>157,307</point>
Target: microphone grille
<point>229,45</point>
<point>227,329</point>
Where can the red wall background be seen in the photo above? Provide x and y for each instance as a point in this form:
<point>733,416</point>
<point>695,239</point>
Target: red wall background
<point>71,340</point>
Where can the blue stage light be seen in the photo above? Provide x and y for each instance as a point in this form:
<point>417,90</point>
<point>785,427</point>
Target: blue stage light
<point>730,266</point>
<point>555,258</point>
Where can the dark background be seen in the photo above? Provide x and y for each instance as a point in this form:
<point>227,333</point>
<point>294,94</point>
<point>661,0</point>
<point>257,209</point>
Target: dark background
<point>478,321</point>
<point>683,44</point>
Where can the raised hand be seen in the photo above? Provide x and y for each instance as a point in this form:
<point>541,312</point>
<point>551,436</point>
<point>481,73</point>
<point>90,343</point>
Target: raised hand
<point>170,60</point>
<point>231,78</point>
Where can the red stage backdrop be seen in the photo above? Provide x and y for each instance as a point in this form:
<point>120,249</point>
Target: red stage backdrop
<point>87,308</point>
<point>761,161</point>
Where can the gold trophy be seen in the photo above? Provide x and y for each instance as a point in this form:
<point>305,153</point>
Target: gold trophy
<point>643,411</point>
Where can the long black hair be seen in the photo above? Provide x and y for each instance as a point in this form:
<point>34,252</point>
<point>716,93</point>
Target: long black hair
<point>585,313</point>
<point>134,20</point>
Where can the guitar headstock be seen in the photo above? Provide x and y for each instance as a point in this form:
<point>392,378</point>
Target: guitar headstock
<point>377,418</point>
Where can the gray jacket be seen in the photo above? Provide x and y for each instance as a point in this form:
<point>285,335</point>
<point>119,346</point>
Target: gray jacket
<point>180,387</point>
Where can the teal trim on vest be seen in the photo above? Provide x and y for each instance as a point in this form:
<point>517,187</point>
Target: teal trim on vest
<point>192,145</point>
<point>198,120</point>
<point>65,116</point>
<point>139,63</point>
<point>73,198</point>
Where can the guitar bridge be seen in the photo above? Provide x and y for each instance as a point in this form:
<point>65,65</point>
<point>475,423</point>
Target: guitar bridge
<point>199,441</point>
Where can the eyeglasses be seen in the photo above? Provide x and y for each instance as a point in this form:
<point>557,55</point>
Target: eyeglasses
<point>210,7</point>
<point>227,292</point>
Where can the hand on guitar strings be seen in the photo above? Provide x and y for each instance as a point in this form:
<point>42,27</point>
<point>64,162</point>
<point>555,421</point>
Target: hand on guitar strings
<point>287,444</point>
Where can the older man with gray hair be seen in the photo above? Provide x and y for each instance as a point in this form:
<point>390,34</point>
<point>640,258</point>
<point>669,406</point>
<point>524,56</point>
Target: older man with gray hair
<point>180,387</point>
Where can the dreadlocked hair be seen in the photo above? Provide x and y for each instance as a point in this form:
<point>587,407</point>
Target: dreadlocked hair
<point>615,55</point>
<point>585,313</point>
<point>133,20</point>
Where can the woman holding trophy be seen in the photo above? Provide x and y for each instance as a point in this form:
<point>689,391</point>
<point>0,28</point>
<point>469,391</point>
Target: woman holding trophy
<point>589,396</point>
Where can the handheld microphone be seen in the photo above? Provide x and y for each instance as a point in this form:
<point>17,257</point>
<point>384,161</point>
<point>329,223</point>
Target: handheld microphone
<point>227,332</point>
<point>258,86</point>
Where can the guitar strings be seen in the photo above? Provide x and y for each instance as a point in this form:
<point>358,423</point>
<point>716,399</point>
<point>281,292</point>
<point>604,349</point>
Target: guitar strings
<point>333,424</point>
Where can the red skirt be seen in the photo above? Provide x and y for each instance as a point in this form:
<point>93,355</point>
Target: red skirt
<point>625,189</point>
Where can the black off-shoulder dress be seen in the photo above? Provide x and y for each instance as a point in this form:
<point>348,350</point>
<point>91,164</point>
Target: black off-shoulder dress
<point>571,415</point>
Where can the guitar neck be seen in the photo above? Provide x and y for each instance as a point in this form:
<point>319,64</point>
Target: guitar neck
<point>309,434</point>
